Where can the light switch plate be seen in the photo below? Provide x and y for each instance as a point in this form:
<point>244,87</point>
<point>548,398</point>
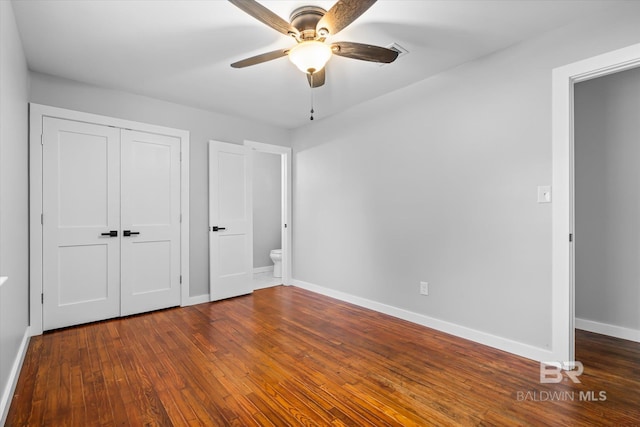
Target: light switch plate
<point>544,194</point>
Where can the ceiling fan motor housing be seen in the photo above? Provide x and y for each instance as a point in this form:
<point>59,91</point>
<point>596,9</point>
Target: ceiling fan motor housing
<point>305,19</point>
<point>310,26</point>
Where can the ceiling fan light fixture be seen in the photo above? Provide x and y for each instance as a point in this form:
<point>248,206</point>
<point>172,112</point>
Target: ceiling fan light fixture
<point>310,56</point>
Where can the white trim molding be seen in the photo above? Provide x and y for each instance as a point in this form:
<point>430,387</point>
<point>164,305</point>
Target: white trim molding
<point>200,299</point>
<point>504,344</point>
<point>12,380</point>
<point>260,270</point>
<point>36,114</point>
<point>562,276</point>
<point>608,329</point>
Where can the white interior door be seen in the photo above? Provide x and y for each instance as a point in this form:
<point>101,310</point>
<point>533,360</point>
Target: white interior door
<point>230,221</point>
<point>81,203</point>
<point>150,222</point>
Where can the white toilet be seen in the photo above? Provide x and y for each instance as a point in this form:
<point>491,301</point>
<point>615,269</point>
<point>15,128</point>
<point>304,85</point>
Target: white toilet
<point>276,257</point>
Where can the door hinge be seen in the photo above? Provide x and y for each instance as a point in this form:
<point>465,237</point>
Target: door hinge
<point>41,139</point>
<point>571,237</point>
<point>41,219</point>
<point>181,156</point>
<point>41,298</point>
<point>180,218</point>
<point>181,279</point>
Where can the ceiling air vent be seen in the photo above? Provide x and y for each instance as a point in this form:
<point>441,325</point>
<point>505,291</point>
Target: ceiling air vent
<point>395,46</point>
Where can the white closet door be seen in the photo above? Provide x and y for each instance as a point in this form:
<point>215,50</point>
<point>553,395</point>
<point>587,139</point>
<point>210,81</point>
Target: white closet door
<point>81,202</point>
<point>151,217</point>
<point>230,221</point>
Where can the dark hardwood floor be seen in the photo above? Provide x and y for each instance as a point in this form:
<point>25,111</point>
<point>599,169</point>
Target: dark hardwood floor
<point>285,356</point>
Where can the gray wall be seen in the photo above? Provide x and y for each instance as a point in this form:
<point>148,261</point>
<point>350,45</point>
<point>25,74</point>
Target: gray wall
<point>267,207</point>
<point>202,125</point>
<point>607,199</point>
<point>437,182</point>
<point>14,233</point>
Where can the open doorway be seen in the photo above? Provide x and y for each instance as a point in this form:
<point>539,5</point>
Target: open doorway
<point>271,214</point>
<point>267,219</point>
<point>607,205</point>
<point>563,209</point>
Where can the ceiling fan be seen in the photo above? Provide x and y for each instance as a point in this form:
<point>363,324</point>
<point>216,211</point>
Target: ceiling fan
<point>310,26</point>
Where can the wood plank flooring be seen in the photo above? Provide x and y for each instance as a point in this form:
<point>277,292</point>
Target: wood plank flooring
<point>284,356</point>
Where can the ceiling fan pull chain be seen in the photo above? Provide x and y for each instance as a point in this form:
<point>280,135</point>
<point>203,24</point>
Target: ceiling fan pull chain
<point>311,87</point>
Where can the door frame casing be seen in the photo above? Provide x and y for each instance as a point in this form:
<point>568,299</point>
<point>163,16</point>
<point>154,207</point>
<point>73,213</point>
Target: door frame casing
<point>36,114</point>
<point>285,156</point>
<point>563,208</point>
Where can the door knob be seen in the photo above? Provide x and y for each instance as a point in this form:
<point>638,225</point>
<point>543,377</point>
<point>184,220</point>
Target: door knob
<point>128,233</point>
<point>112,233</point>
<point>216,228</point>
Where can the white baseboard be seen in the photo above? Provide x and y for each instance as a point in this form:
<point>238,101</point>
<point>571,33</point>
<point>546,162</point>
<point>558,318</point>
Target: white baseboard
<point>504,344</point>
<point>607,329</point>
<point>267,285</point>
<point>267,269</point>
<point>200,299</point>
<point>12,381</point>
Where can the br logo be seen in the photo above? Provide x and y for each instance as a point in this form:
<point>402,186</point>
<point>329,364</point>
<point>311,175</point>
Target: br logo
<point>552,372</point>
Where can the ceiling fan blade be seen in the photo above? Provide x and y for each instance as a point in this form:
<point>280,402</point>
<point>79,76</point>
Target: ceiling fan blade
<point>259,59</point>
<point>265,16</point>
<point>343,13</point>
<point>318,78</point>
<point>364,52</point>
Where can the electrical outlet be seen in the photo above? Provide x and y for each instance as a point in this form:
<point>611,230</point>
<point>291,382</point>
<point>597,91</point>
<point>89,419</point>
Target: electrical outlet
<point>424,288</point>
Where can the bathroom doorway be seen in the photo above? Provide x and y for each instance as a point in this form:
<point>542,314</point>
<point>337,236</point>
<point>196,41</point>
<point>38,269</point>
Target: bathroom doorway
<point>271,214</point>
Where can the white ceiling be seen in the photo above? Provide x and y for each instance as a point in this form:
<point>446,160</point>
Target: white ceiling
<point>180,50</point>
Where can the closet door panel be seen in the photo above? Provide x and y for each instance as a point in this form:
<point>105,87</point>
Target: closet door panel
<point>150,222</point>
<point>81,206</point>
